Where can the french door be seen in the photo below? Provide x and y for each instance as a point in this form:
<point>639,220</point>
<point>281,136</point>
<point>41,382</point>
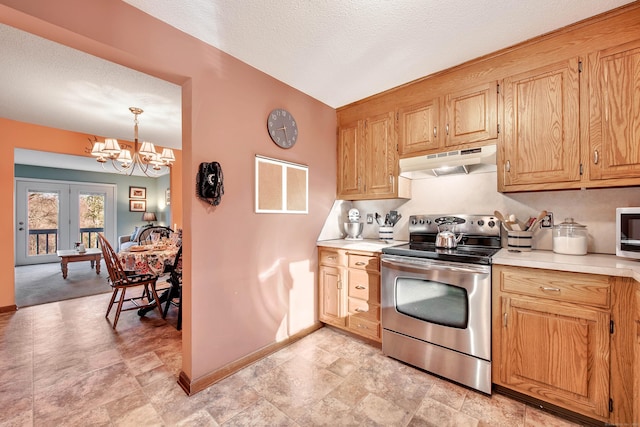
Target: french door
<point>53,215</point>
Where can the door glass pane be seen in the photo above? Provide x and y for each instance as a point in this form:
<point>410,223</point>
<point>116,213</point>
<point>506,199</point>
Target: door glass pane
<point>433,302</point>
<point>91,218</point>
<point>43,222</point>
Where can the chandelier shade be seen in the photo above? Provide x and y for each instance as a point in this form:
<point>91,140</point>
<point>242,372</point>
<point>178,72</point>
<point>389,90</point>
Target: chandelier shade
<point>144,157</point>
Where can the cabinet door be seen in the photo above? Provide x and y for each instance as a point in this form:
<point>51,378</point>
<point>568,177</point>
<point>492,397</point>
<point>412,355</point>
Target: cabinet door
<point>381,160</point>
<point>331,296</point>
<point>542,126</point>
<point>350,160</point>
<point>472,115</point>
<point>418,128</point>
<point>615,112</point>
<point>557,352</point>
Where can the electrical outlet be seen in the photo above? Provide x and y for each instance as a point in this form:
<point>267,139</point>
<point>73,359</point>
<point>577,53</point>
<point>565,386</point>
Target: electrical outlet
<point>547,221</point>
<point>369,218</point>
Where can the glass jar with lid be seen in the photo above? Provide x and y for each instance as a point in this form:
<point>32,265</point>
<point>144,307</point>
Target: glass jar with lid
<point>570,238</point>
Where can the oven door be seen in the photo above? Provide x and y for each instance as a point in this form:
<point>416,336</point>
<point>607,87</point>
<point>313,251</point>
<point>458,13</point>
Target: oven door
<point>443,303</point>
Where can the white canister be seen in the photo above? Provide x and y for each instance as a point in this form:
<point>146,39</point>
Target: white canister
<point>570,238</point>
<point>519,240</point>
<point>385,233</point>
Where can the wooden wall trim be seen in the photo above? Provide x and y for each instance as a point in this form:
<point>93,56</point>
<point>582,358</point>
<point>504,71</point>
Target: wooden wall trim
<point>8,308</point>
<point>192,387</point>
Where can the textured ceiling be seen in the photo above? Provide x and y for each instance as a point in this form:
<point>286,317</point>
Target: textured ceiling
<point>337,51</point>
<point>340,51</point>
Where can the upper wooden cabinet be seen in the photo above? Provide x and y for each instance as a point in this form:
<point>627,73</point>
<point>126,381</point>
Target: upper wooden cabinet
<point>471,115</point>
<point>350,160</point>
<point>468,116</point>
<point>541,141</point>
<point>615,112</point>
<point>418,127</point>
<point>568,129</point>
<point>368,160</point>
<point>563,109</point>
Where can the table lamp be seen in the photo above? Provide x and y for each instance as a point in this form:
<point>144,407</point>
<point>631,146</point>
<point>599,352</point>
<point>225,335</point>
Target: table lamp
<point>149,217</point>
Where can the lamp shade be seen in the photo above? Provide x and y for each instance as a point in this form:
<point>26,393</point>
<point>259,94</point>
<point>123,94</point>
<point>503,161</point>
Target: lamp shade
<point>111,146</point>
<point>149,216</point>
<point>148,149</point>
<point>97,149</point>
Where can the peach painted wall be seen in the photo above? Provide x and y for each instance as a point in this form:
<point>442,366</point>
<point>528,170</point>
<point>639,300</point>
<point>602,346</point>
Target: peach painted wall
<point>250,279</point>
<point>14,134</point>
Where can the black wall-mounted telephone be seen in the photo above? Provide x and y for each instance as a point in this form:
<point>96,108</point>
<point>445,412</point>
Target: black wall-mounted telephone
<point>209,183</point>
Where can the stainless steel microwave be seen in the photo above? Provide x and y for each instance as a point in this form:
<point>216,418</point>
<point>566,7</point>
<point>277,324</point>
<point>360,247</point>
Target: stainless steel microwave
<point>628,232</point>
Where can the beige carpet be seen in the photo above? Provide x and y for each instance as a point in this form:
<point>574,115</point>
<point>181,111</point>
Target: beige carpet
<point>43,283</point>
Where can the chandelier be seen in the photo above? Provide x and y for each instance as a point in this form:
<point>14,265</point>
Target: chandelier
<point>124,161</point>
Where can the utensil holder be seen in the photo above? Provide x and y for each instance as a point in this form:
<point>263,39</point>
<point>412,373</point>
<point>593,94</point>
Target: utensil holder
<point>519,240</point>
<point>385,233</point>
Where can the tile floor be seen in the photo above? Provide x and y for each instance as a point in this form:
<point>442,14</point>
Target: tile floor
<point>62,364</point>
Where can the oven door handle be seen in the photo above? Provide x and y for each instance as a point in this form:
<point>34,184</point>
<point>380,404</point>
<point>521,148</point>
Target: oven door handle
<point>425,264</point>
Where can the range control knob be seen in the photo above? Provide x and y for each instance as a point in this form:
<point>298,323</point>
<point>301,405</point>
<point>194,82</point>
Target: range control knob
<point>491,224</point>
<point>414,221</point>
<point>480,222</point>
<point>422,221</point>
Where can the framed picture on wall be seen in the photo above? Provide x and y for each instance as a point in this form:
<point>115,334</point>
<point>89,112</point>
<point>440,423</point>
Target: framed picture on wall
<point>137,205</point>
<point>167,197</point>
<point>137,192</point>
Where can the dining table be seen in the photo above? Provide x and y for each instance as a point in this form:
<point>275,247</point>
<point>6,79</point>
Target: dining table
<point>148,259</point>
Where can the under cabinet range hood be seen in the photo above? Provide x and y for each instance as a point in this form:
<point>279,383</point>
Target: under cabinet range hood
<point>472,160</point>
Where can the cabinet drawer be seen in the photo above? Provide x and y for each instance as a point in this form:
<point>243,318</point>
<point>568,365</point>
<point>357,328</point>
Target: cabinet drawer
<point>365,328</point>
<point>557,285</point>
<point>364,285</point>
<point>362,310</point>
<point>364,262</point>
<point>330,257</point>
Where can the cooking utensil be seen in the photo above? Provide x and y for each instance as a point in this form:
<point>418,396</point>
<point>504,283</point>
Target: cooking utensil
<point>394,217</point>
<point>539,218</point>
<point>378,218</point>
<point>499,215</point>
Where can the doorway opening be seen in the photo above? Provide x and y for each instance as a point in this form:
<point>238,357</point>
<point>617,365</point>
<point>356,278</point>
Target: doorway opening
<point>52,216</point>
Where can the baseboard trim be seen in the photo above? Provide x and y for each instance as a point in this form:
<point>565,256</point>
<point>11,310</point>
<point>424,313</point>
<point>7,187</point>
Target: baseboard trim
<point>8,308</point>
<point>192,387</point>
<point>548,407</point>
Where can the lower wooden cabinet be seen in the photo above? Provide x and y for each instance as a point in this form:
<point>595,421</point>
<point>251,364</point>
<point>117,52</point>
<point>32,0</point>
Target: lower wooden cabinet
<point>557,351</point>
<point>349,291</point>
<point>564,338</point>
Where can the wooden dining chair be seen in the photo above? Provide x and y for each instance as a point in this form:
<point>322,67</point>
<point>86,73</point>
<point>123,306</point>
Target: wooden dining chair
<point>120,281</point>
<point>146,236</point>
<point>175,291</point>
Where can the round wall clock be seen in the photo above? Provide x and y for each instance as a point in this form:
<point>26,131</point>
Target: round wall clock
<point>282,128</point>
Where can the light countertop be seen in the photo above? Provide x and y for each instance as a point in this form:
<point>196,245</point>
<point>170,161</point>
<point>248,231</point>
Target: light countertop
<point>369,245</point>
<point>609,265</point>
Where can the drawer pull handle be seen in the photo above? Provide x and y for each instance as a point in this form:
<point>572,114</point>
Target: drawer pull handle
<point>362,326</point>
<point>331,257</point>
<point>361,310</point>
<point>360,287</point>
<point>361,263</point>
<point>549,289</point>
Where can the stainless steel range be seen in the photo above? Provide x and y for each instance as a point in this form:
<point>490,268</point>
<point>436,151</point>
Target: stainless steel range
<point>436,302</point>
